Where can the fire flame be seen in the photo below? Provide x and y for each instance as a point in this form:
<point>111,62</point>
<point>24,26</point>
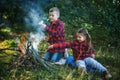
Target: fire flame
<point>22,44</point>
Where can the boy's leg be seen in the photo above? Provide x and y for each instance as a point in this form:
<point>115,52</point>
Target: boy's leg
<point>60,55</point>
<point>94,64</point>
<point>47,56</point>
<point>56,56</point>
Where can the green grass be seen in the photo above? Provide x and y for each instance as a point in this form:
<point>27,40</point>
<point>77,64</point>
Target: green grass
<point>108,57</point>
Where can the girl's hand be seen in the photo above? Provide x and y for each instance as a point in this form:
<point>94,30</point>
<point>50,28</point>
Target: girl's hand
<point>50,47</point>
<point>46,38</point>
<point>93,55</point>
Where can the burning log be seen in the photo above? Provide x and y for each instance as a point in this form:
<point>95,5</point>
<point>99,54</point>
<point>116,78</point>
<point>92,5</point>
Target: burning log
<point>22,44</point>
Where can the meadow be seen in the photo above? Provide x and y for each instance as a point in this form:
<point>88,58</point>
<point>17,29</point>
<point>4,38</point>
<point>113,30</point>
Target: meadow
<point>109,57</point>
<point>100,17</point>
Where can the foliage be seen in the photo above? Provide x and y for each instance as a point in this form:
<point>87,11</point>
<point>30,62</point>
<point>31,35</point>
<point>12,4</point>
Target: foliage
<point>100,17</point>
<point>8,44</point>
<point>92,14</point>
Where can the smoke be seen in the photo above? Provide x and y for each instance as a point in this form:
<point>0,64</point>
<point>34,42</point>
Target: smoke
<point>34,14</point>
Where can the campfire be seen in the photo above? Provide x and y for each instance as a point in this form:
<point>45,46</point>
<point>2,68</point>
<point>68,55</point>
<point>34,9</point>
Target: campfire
<point>29,58</point>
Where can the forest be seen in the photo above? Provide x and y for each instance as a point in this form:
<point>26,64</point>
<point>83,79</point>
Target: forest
<point>20,18</point>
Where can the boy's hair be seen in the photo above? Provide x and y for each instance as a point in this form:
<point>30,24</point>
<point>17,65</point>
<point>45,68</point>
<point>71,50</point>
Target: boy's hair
<point>85,32</point>
<point>55,9</point>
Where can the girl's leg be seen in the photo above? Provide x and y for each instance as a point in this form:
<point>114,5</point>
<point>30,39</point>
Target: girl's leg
<point>56,56</point>
<point>80,64</point>
<point>81,67</point>
<point>47,56</point>
<point>70,61</point>
<point>94,64</point>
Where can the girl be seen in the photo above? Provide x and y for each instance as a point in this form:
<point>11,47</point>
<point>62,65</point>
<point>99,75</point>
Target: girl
<point>83,52</point>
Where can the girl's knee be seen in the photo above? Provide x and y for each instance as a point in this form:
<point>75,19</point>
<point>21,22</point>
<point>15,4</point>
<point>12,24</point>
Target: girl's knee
<point>89,59</point>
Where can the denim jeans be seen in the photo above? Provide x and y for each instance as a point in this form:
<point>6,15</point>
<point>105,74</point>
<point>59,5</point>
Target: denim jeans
<point>92,63</point>
<point>54,57</point>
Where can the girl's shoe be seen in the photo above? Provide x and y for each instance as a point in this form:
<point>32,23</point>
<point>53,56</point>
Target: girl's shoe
<point>107,75</point>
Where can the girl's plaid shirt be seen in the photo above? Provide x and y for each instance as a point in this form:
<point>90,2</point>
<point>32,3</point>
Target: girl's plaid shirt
<point>56,35</point>
<point>79,49</point>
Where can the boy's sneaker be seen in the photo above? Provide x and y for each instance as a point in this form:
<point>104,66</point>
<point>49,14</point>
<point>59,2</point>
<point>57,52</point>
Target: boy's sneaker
<point>107,75</point>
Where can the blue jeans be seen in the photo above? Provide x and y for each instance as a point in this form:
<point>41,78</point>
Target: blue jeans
<point>98,67</point>
<point>54,57</point>
<point>89,64</point>
<point>94,65</point>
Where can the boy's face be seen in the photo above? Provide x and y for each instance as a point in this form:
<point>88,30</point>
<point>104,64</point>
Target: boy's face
<point>80,37</point>
<point>53,16</point>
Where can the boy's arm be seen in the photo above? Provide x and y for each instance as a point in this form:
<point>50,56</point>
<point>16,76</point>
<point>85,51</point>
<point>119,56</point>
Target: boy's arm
<point>58,30</point>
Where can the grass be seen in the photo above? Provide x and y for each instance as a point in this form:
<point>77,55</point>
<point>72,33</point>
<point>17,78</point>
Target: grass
<point>108,57</point>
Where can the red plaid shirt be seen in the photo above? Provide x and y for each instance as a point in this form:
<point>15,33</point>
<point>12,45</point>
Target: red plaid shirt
<point>80,50</point>
<point>56,35</point>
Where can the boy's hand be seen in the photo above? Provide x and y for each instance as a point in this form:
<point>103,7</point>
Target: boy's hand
<point>93,55</point>
<point>50,47</point>
<point>42,24</point>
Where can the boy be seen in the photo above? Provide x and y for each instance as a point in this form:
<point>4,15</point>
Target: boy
<point>55,35</point>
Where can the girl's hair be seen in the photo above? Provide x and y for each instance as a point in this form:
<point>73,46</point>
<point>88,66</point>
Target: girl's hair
<point>88,37</point>
<point>55,9</point>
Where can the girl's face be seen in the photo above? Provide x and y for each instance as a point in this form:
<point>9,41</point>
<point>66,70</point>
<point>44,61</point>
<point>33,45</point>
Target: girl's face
<point>80,37</point>
<point>53,16</point>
